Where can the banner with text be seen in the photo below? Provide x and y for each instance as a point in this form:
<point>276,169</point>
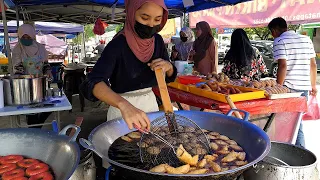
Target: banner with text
<point>259,13</point>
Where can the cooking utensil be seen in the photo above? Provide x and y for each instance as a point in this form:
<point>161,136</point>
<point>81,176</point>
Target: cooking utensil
<point>24,90</point>
<point>302,164</point>
<point>166,102</point>
<point>156,136</point>
<point>252,139</point>
<point>169,129</point>
<point>59,151</point>
<point>274,160</point>
<point>233,106</point>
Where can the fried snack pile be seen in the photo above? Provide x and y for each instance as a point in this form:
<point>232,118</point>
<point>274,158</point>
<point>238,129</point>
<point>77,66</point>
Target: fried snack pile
<point>221,77</point>
<point>216,87</point>
<point>227,155</point>
<point>270,86</point>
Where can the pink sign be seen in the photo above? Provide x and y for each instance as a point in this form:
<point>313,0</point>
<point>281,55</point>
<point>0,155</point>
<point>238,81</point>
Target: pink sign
<point>259,13</point>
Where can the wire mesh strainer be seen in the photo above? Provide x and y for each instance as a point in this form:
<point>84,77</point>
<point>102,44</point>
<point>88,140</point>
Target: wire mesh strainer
<point>176,130</point>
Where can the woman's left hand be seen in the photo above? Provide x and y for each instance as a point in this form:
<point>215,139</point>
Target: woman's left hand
<point>166,66</point>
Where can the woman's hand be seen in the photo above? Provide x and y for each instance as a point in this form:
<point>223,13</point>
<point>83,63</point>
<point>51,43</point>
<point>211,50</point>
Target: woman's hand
<point>314,91</point>
<point>166,66</point>
<point>49,75</point>
<point>134,116</point>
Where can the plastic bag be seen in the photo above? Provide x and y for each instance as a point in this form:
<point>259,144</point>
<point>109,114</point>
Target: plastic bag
<point>99,27</point>
<point>313,112</point>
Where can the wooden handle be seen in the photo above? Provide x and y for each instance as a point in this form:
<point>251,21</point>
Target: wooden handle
<point>78,122</point>
<point>233,106</point>
<point>167,106</point>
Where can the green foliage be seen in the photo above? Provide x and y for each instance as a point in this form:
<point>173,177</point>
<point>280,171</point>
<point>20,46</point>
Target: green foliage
<point>88,30</point>
<point>264,33</point>
<point>119,27</point>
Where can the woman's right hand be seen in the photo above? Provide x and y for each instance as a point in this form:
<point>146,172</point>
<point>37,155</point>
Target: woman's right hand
<point>134,116</point>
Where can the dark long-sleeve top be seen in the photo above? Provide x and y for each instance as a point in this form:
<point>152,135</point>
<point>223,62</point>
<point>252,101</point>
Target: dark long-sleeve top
<point>122,71</point>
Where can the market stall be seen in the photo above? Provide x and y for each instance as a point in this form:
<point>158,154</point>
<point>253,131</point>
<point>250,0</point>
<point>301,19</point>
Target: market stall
<point>279,117</point>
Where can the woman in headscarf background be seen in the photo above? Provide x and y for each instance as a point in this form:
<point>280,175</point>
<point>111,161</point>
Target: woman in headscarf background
<point>204,50</point>
<point>181,51</point>
<point>242,60</point>
<point>28,56</point>
<point>124,74</point>
<point>31,58</point>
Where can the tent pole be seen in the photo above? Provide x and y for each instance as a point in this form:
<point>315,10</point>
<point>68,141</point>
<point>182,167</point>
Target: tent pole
<point>17,17</point>
<point>83,49</point>
<point>6,35</point>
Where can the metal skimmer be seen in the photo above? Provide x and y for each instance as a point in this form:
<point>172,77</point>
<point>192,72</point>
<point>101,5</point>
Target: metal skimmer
<point>168,132</point>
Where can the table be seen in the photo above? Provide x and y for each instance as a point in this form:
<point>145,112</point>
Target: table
<point>15,111</point>
<point>284,115</point>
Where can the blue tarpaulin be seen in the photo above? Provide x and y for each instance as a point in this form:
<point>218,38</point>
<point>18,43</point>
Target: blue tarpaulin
<point>172,4</point>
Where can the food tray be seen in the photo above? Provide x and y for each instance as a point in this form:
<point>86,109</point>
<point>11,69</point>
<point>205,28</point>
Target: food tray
<point>179,86</point>
<point>285,95</point>
<point>250,93</point>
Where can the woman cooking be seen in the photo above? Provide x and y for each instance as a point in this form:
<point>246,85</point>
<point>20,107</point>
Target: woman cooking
<point>30,58</point>
<point>204,53</point>
<point>181,51</point>
<point>124,74</point>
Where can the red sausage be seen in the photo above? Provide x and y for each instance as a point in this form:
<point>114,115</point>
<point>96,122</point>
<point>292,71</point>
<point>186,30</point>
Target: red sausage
<point>25,163</point>
<point>7,167</point>
<point>11,159</point>
<point>13,174</point>
<point>42,176</point>
<point>37,169</point>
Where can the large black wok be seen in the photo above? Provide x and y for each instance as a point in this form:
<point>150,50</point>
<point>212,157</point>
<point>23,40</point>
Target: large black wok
<point>254,141</point>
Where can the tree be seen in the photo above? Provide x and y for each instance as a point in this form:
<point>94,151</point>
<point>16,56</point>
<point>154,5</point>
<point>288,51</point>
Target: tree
<point>88,30</point>
<point>264,33</point>
<point>119,27</point>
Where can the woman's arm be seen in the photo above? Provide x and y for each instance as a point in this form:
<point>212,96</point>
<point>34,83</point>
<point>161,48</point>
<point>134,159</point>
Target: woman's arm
<point>96,87</point>
<point>174,54</point>
<point>130,114</point>
<point>17,60</point>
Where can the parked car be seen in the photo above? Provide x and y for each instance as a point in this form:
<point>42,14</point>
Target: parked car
<point>266,50</point>
<point>222,51</point>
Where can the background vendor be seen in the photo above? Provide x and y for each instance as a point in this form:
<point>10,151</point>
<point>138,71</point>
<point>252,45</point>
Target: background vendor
<point>181,51</point>
<point>124,74</point>
<point>204,50</point>
<point>242,60</point>
<point>30,58</point>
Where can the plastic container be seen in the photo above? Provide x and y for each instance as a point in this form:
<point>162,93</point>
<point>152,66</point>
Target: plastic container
<point>189,79</point>
<point>4,61</point>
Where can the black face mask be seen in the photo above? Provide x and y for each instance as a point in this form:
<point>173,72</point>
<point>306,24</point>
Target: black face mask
<point>144,31</point>
<point>184,39</point>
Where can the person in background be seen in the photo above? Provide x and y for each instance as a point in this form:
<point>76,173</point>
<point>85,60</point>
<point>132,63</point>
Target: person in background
<point>242,60</point>
<point>204,50</point>
<point>181,51</point>
<point>31,58</point>
<point>124,75</point>
<point>297,67</point>
<point>100,47</point>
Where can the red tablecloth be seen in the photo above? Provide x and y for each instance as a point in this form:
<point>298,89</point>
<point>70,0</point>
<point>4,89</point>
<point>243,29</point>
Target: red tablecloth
<point>259,106</point>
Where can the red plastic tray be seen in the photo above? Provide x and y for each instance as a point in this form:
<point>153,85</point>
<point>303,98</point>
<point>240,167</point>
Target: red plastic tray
<point>189,79</point>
